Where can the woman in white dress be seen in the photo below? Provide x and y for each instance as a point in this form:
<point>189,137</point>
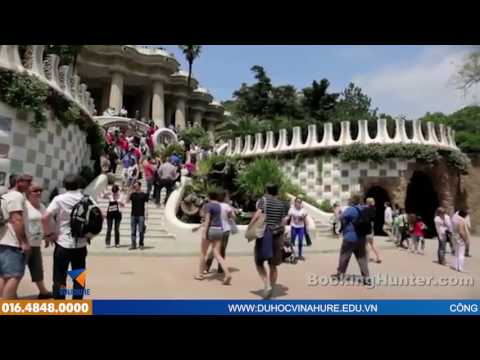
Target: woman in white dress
<point>460,239</point>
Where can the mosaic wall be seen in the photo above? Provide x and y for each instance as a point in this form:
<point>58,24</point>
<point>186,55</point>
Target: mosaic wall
<point>48,155</point>
<point>326,177</point>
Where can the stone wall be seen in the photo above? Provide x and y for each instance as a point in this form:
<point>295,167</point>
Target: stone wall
<point>48,155</point>
<point>328,178</point>
<point>470,187</point>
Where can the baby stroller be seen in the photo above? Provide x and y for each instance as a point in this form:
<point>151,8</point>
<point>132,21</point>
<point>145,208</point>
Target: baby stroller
<point>288,250</point>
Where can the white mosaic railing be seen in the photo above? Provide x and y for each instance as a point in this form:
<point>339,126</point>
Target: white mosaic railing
<point>248,146</point>
<point>60,78</point>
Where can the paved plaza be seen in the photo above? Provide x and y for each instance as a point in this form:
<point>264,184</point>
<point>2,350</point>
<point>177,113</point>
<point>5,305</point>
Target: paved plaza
<point>116,274</point>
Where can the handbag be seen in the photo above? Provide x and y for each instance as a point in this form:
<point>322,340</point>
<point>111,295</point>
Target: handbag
<point>255,230</point>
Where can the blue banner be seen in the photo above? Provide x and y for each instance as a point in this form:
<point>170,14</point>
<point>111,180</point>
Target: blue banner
<point>288,308</point>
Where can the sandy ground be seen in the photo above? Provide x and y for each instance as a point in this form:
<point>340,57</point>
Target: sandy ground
<point>171,277</point>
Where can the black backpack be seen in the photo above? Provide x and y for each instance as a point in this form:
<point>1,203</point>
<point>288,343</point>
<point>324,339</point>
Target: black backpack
<point>362,223</point>
<point>86,219</point>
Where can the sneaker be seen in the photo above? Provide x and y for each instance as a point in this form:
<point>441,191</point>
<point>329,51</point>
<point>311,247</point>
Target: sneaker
<point>267,292</point>
<point>142,247</point>
<point>132,248</point>
<point>367,282</point>
<point>48,295</point>
<point>337,276</point>
<point>117,245</point>
<point>468,255</point>
<point>108,246</point>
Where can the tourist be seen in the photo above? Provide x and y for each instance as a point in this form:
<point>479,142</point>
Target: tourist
<point>35,235</point>
<point>352,242</point>
<point>460,239</point>
<point>388,220</point>
<point>443,226</point>
<point>114,215</point>
<point>133,174</point>
<point>371,210</point>
<point>113,158</point>
<point>468,227</point>
<point>68,250</point>
<point>213,234</point>
<point>403,229</point>
<point>166,176</point>
<point>191,166</point>
<point>127,162</point>
<point>105,163</point>
<point>139,215</point>
<point>418,235</point>
<point>149,172</point>
<point>337,212</point>
<point>227,215</point>
<point>297,217</point>
<point>14,245</point>
<point>268,246</point>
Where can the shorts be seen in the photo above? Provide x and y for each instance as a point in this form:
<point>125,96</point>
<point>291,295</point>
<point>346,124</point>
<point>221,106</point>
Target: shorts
<point>12,262</point>
<point>35,264</point>
<point>215,234</point>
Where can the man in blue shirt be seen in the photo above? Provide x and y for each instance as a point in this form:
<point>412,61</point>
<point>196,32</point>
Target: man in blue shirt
<point>352,242</point>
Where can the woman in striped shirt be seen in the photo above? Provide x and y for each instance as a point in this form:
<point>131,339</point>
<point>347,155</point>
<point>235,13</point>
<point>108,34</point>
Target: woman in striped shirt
<point>268,247</point>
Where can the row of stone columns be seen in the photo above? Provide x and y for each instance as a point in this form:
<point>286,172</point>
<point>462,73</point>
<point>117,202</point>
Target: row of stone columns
<point>155,98</point>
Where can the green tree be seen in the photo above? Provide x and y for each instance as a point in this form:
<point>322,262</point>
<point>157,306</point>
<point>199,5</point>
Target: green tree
<point>317,102</point>
<point>255,99</point>
<point>68,53</point>
<point>191,52</point>
<point>238,126</point>
<point>469,73</point>
<point>466,124</point>
<point>354,105</point>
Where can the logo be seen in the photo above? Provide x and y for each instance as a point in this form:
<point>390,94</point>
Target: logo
<point>79,276</point>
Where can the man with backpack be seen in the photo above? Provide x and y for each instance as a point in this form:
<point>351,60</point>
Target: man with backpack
<point>356,225</point>
<point>74,232</point>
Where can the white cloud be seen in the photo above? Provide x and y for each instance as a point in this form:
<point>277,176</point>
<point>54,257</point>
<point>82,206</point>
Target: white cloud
<point>427,85</point>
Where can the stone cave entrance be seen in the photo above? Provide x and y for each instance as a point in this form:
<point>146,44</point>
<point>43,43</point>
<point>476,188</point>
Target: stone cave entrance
<point>422,199</point>
<point>381,196</point>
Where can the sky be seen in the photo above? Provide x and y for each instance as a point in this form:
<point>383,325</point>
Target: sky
<point>400,79</point>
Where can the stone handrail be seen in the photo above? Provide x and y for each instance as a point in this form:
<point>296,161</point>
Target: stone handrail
<point>60,78</point>
<point>254,146</point>
<point>97,186</point>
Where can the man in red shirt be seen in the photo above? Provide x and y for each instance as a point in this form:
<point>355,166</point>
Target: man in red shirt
<point>149,171</point>
<point>123,143</point>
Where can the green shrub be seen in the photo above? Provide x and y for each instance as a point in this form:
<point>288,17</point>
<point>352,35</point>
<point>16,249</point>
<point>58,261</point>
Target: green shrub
<point>258,174</point>
<point>326,206</point>
<point>25,93</point>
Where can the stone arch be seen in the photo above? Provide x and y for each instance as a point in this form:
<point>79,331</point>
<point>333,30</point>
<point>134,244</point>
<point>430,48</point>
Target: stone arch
<point>381,195</point>
<point>422,198</point>
<point>164,135</point>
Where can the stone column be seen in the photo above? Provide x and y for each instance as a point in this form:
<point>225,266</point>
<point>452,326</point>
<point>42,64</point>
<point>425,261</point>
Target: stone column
<point>210,132</point>
<point>180,114</point>
<point>158,104</point>
<point>197,118</point>
<point>168,115</point>
<point>116,92</point>
<point>146,103</point>
<point>105,98</point>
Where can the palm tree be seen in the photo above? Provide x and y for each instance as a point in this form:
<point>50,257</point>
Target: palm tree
<point>238,127</point>
<point>191,53</point>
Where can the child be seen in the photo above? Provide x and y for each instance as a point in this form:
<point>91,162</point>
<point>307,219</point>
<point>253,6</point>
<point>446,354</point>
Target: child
<point>297,216</point>
<point>418,235</point>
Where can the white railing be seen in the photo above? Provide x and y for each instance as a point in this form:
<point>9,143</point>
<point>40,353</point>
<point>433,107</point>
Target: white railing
<point>60,78</point>
<point>254,146</point>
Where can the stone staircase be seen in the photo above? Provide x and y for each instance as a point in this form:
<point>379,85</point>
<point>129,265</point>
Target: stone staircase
<point>156,235</point>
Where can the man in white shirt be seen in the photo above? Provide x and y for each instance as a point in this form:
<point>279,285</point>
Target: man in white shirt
<point>14,246</point>
<point>166,176</point>
<point>443,226</point>
<point>388,221</point>
<point>67,249</point>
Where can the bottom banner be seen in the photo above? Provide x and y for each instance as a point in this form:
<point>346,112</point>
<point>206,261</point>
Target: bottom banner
<point>280,307</point>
